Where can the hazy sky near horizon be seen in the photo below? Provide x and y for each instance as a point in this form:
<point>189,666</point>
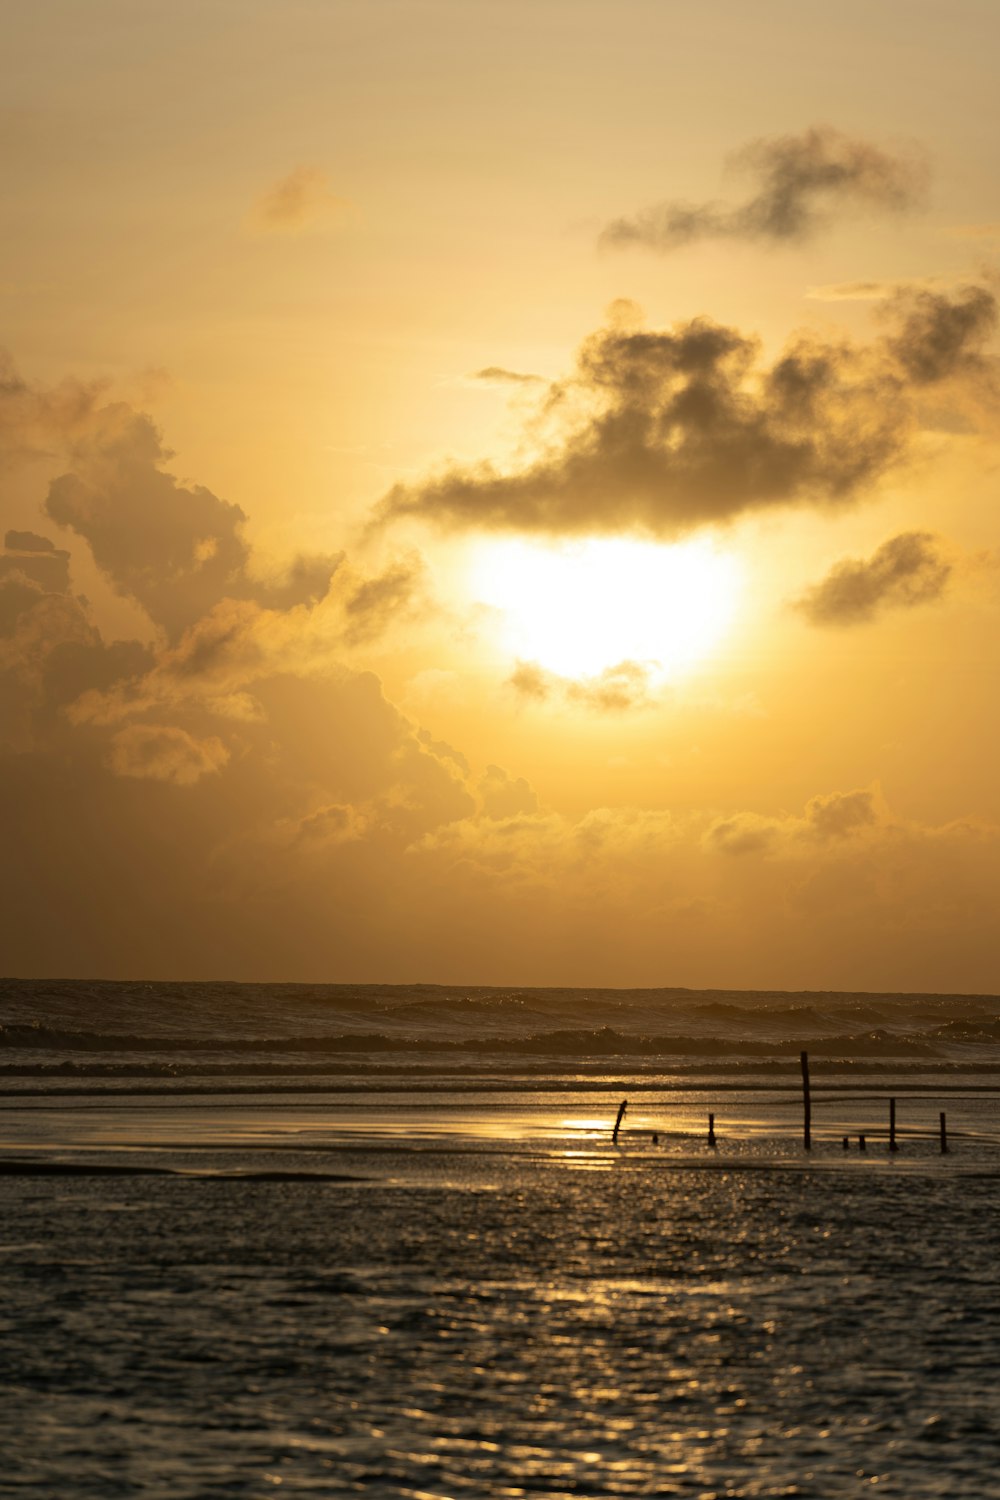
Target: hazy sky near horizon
<point>501,492</point>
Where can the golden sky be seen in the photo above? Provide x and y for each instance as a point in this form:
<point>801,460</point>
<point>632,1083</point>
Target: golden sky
<point>501,492</point>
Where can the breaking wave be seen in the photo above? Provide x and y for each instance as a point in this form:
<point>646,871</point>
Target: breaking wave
<point>257,1026</point>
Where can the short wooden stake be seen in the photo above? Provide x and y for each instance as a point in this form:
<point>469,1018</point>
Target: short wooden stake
<point>621,1115</point>
<point>861,1143</point>
<point>711,1130</point>
<point>944,1134</point>
<point>892,1126</point>
<point>806,1103</point>
<point>847,1143</point>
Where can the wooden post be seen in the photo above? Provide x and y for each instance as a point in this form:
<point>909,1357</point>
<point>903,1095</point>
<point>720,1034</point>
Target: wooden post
<point>861,1143</point>
<point>621,1115</point>
<point>892,1126</point>
<point>847,1143</point>
<point>711,1130</point>
<point>806,1103</point>
<point>944,1134</point>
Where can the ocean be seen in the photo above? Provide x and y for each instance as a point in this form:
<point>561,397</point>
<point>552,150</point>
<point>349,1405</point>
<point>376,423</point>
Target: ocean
<point>323,1240</point>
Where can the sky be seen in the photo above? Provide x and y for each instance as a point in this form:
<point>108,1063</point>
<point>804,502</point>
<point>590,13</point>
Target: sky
<point>501,492</point>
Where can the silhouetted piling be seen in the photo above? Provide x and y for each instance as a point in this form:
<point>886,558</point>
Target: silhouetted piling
<point>861,1143</point>
<point>944,1134</point>
<point>711,1130</point>
<point>806,1103</point>
<point>621,1115</point>
<point>847,1143</point>
<point>893,1146</point>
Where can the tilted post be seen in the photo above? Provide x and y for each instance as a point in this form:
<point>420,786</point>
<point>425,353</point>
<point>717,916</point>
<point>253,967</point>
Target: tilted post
<point>806,1103</point>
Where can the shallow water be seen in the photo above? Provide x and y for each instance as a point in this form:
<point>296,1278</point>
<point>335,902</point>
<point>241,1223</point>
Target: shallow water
<point>476,1295</point>
<point>316,1241</point>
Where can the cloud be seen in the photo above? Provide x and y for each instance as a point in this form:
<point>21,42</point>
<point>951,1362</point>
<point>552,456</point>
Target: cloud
<point>529,680</point>
<point>826,819</point>
<point>623,686</point>
<point>297,202</point>
<point>28,541</point>
<point>497,375</point>
<point>840,814</point>
<point>744,833</point>
<point>879,291</point>
<point>802,182</point>
<point>36,559</point>
<point>504,796</point>
<point>627,685</point>
<point>605,856</point>
<point>852,291</point>
<point>50,650</point>
<point>176,548</point>
<point>907,570</point>
<point>942,337</point>
<point>657,433</point>
<point>234,800</point>
<point>162,752</point>
<point>37,420</point>
<point>374,602</point>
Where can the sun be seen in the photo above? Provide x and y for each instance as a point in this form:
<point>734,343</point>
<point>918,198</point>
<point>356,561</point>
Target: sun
<point>582,607</point>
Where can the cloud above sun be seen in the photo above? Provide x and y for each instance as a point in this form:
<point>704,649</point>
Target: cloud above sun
<point>657,433</point>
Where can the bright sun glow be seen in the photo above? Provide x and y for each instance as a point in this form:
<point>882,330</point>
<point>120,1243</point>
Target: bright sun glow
<point>583,607</point>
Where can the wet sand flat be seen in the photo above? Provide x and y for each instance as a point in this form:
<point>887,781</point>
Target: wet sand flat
<point>429,1295</point>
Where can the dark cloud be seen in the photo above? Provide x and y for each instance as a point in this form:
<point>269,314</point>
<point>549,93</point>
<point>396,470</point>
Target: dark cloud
<point>657,433</point>
<point>677,440</point>
<point>907,570</point>
<point>661,432</point>
<point>941,337</point>
<point>802,181</point>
